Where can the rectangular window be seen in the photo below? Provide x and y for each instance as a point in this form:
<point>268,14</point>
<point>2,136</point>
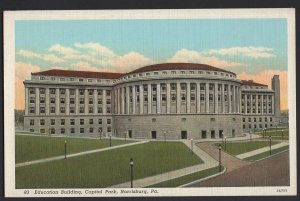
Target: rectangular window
<point>183,98</point>
<point>62,110</point>
<point>62,122</point>
<point>81,130</point>
<point>173,97</point>
<point>91,121</point>
<point>99,109</point>
<point>163,97</point>
<point>42,122</point>
<point>202,86</point>
<point>99,121</point>
<point>107,93</point>
<point>62,91</point>
<point>72,92</point>
<point>90,100</point>
<point>42,91</point>
<point>62,100</point>
<point>91,130</point>
<point>72,110</point>
<point>72,130</point>
<point>211,97</point>
<point>31,122</point>
<point>72,121</point>
<point>107,101</point>
<point>52,91</point>
<point>81,91</point>
<point>202,97</point>
<point>193,97</point>
<point>182,87</point>
<point>108,129</point>
<point>52,122</point>
<point>81,101</point>
<point>81,121</point>
<point>42,110</point>
<point>99,101</point>
<point>91,91</point>
<point>173,86</point>
<point>99,91</point>
<point>31,110</point>
<point>146,98</point>
<point>62,130</point>
<point>32,100</point>
<point>91,110</point>
<point>249,119</point>
<point>154,97</point>
<point>52,109</point>
<point>108,121</point>
<point>193,86</point>
<point>108,110</point>
<point>42,99</point>
<point>52,100</point>
<point>31,91</point>
<point>72,100</point>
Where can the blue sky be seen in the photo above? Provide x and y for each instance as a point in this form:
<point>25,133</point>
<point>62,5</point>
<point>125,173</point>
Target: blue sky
<point>244,46</point>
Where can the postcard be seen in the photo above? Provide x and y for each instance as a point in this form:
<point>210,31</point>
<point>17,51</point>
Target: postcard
<point>127,103</point>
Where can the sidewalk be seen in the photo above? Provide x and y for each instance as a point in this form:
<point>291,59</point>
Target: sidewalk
<point>261,150</point>
<point>209,162</point>
<point>77,154</point>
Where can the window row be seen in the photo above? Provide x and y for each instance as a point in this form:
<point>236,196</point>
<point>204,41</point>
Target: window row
<point>259,119</point>
<point>256,126</point>
<point>71,100</point>
<point>72,110</point>
<point>71,91</point>
<point>62,122</point>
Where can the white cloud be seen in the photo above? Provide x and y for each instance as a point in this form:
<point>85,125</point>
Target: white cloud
<point>63,50</point>
<point>190,56</point>
<point>46,57</point>
<point>96,49</point>
<point>253,52</point>
<point>23,70</point>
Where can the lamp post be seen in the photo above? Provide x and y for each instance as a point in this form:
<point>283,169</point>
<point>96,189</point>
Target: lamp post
<point>65,149</point>
<point>192,145</point>
<point>165,135</point>
<point>110,140</point>
<point>131,172</point>
<point>100,134</point>
<point>225,143</point>
<point>220,147</point>
<point>270,138</point>
<point>282,134</point>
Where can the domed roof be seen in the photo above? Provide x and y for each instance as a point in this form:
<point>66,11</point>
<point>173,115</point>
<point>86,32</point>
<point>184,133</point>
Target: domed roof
<point>178,66</point>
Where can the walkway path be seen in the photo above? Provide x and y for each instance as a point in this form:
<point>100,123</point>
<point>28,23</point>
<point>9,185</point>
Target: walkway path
<point>261,150</point>
<point>209,162</point>
<point>77,154</point>
<point>273,171</point>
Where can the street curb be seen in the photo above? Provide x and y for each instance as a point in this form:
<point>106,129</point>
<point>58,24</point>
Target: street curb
<point>203,179</point>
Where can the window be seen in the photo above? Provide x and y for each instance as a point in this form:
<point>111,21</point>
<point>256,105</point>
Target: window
<point>271,119</point>
<point>99,109</point>
<point>108,110</point>
<point>62,109</point>
<point>31,100</point>
<point>90,80</point>
<point>183,86</point>
<point>81,130</point>
<point>52,100</point>
<point>191,72</point>
<point>31,130</point>
<point>99,101</point>
<point>42,122</point>
<point>62,130</point>
<point>163,97</point>
<point>31,122</point>
<point>108,129</point>
<point>62,122</point>
<point>62,100</point>
<point>146,98</point>
<point>173,97</point>
<point>42,91</point>
<point>52,78</point>
<point>107,101</point>
<point>202,86</point>
<point>72,130</point>
<point>90,101</point>
<point>154,97</point>
<point>107,93</point>
<point>31,91</point>
<point>90,110</point>
<point>62,91</point>
<point>211,97</point>
<point>81,101</point>
<point>202,97</point>
<point>81,121</point>
<point>91,91</point>
<point>266,120</point>
<point>52,91</point>
<point>42,130</point>
<point>155,73</point>
<point>72,110</point>
<point>211,86</point>
<point>153,87</point>
<point>173,72</point>
<point>243,119</point>
<point>99,121</point>
<point>91,121</point>
<point>254,119</point>
<point>163,87</point>
<point>42,110</point>
<point>72,100</point>
<point>42,78</point>
<point>42,99</point>
<point>31,110</point>
<point>62,79</point>
<point>99,91</point>
<point>81,91</point>
<point>108,121</point>
<point>183,97</point>
<point>164,72</point>
<point>249,119</point>
<point>72,121</point>
<point>81,109</point>
<point>52,109</point>
<point>173,86</point>
<point>182,72</point>
<point>91,130</point>
<point>72,79</point>
<point>193,86</point>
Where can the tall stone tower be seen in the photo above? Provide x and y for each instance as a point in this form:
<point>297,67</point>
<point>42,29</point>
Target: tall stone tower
<point>276,88</point>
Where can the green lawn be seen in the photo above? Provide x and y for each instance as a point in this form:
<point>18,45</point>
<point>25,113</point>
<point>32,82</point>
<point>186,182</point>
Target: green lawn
<point>275,134</point>
<point>236,148</point>
<point>30,148</point>
<point>107,168</point>
<point>187,178</point>
<point>266,154</point>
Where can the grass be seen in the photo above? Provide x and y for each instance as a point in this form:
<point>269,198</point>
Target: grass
<point>236,148</point>
<point>107,168</point>
<point>187,178</point>
<point>266,154</point>
<point>30,148</point>
<point>276,135</point>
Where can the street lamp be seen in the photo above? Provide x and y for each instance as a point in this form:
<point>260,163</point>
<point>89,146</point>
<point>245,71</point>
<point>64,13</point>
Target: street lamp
<point>220,147</point>
<point>65,149</point>
<point>192,145</point>
<point>131,172</point>
<point>282,134</point>
<point>110,140</point>
<point>100,134</point>
<point>225,142</point>
<point>270,138</point>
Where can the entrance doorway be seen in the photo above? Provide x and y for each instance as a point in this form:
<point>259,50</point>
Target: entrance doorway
<point>130,133</point>
<point>183,134</point>
<point>212,134</point>
<point>153,134</point>
<point>220,133</point>
<point>203,134</point>
<point>233,133</point>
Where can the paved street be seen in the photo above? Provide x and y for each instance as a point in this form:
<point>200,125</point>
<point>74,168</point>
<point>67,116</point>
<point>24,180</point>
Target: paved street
<point>273,171</point>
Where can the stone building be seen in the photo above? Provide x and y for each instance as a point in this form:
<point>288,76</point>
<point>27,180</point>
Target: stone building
<point>161,101</point>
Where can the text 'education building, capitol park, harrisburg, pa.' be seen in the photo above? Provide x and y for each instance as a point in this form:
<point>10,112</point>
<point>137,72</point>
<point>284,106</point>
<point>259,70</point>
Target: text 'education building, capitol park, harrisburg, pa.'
<point>162,101</point>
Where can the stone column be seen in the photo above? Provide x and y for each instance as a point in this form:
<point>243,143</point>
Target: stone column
<point>188,97</point>
<point>149,99</point>
<point>178,98</point>
<point>216,98</point>
<point>127,99</point>
<point>95,101</point>
<point>67,101</point>
<point>245,103</point>
<point>256,104</point>
<point>57,101</point>
<point>119,100</point>
<point>234,99</point>
<point>251,103</point>
<point>229,99</point>
<point>86,101</point>
<point>158,98</point>
<point>104,101</point>
<point>47,101</point>
<point>198,97</point>
<point>37,101</point>
<point>273,109</point>
<point>262,104</point>
<point>168,98</point>
<point>133,99</point>
<point>141,99</point>
<point>223,98</point>
<point>239,99</point>
<point>26,101</point>
<point>76,101</point>
<point>207,97</point>
<point>123,99</point>
<point>267,105</point>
